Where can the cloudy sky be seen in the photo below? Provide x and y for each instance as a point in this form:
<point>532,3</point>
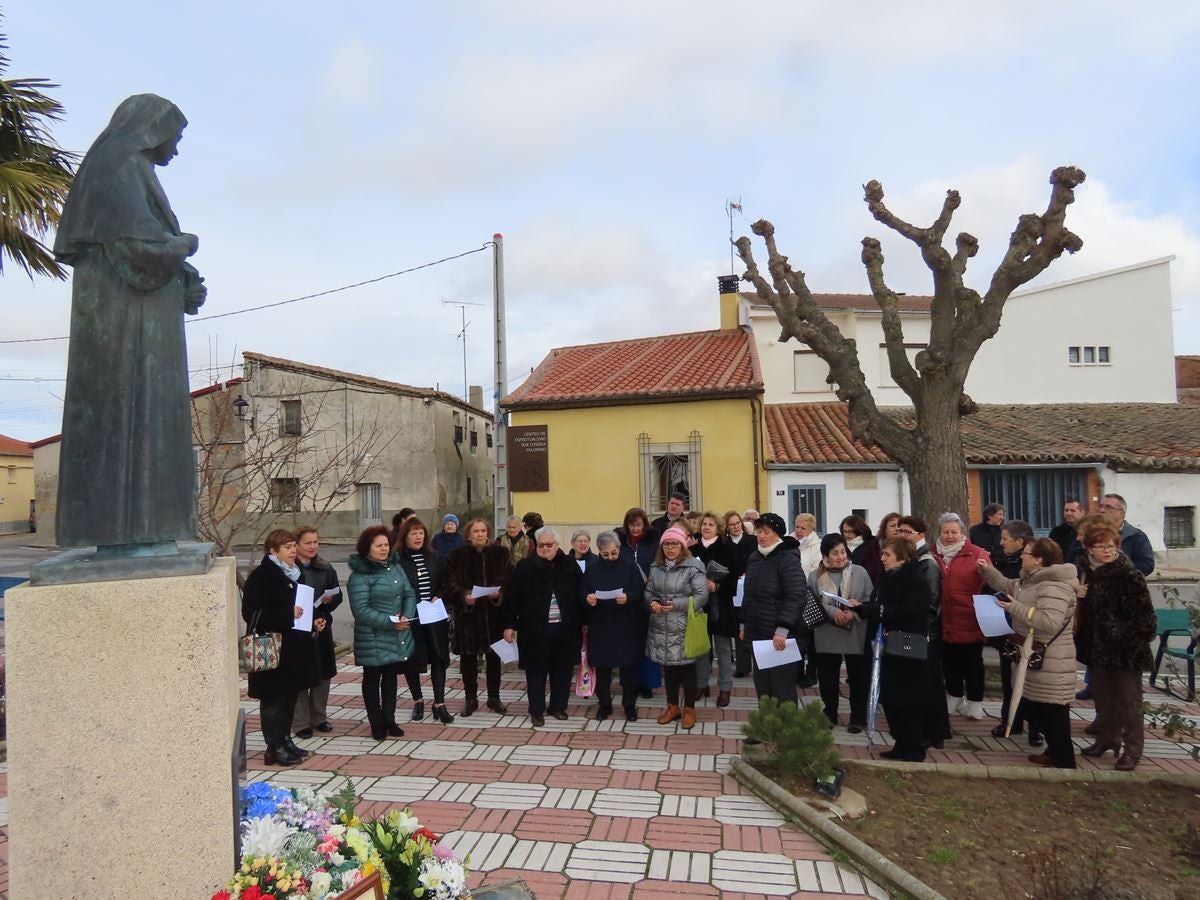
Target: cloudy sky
<point>329,145</point>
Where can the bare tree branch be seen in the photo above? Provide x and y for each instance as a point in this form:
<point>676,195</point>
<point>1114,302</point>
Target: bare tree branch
<point>893,331</point>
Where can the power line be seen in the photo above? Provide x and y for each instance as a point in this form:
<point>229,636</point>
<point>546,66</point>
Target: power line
<point>337,290</point>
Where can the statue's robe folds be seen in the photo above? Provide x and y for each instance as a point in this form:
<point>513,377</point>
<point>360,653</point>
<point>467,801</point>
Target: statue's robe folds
<point>127,470</point>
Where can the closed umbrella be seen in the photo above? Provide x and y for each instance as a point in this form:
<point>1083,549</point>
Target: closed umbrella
<point>873,693</point>
<point>1018,682</point>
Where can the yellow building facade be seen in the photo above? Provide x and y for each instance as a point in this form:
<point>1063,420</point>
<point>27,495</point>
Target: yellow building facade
<point>629,422</point>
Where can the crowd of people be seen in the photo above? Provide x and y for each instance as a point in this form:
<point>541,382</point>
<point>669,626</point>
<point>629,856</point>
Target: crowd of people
<point>628,598</point>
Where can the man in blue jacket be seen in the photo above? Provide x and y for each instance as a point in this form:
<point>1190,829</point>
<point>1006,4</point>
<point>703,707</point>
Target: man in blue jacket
<point>1134,542</point>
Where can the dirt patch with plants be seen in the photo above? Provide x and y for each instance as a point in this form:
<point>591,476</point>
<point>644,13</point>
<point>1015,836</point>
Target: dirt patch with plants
<point>969,837</point>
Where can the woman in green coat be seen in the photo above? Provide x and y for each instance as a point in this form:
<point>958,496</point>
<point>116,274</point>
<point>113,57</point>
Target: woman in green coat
<point>384,608</point>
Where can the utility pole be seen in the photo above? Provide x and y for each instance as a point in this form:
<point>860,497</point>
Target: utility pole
<point>502,499</point>
<point>463,304</point>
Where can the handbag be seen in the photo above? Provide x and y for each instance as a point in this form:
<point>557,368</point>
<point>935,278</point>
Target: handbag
<point>1011,650</point>
<point>585,681</point>
<point>695,637</point>
<point>906,645</point>
<point>715,572</point>
<point>259,652</point>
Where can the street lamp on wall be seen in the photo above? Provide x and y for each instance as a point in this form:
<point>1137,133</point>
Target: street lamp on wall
<point>240,405</point>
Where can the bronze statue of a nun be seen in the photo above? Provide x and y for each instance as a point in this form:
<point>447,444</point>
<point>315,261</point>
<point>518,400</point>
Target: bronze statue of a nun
<point>127,475</point>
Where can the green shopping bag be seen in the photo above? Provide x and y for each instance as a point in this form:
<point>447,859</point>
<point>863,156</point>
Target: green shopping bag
<point>695,638</point>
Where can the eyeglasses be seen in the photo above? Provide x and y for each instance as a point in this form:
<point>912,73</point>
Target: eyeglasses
<point>907,532</point>
<point>544,545</point>
<point>1111,507</point>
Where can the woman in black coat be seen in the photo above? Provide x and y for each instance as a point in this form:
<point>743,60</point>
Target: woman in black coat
<point>580,551</point>
<point>423,567</point>
<point>722,616</point>
<point>311,704</point>
<point>542,607</point>
<point>616,628</point>
<point>269,605</point>
<point>901,603</point>
<point>639,545</point>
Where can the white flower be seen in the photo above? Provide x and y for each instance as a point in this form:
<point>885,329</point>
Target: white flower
<point>264,836</point>
<point>320,885</point>
<point>442,879</point>
<point>402,822</point>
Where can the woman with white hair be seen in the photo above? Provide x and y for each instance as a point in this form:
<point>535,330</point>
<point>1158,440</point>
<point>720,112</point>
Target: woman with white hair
<point>580,551</point>
<point>962,646</point>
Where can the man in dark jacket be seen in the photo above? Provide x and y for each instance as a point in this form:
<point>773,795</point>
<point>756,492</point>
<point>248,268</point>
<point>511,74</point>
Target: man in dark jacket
<point>676,507</point>
<point>777,604</point>
<point>542,605</point>
<point>987,533</point>
<point>1134,542</point>
<point>1064,533</point>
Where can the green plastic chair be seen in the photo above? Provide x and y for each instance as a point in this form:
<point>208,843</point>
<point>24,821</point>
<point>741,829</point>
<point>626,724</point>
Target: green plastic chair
<point>1175,623</point>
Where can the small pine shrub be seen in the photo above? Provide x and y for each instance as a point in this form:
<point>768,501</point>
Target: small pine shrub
<point>799,738</point>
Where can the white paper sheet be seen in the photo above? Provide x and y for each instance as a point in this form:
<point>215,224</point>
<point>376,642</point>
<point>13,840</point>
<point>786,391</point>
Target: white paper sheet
<point>431,611</point>
<point>328,595</point>
<point>740,594</point>
<point>395,620</point>
<point>481,591</point>
<point>304,599</point>
<point>506,651</point>
<point>840,601</point>
<point>990,616</point>
<point>609,595</point>
<point>767,657</point>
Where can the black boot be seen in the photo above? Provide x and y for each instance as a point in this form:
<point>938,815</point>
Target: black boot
<point>442,714</point>
<point>470,706</point>
<point>395,730</point>
<point>378,729</point>
<point>631,714</point>
<point>293,749</point>
<point>418,712</point>
<point>280,756</point>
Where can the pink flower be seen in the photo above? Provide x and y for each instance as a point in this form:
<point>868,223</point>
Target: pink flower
<point>443,853</point>
<point>328,846</point>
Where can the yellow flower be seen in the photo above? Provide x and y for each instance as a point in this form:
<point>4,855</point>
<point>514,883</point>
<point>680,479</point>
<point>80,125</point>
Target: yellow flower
<point>368,870</point>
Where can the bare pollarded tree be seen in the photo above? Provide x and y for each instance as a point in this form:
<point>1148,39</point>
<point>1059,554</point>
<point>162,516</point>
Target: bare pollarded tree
<point>962,319</point>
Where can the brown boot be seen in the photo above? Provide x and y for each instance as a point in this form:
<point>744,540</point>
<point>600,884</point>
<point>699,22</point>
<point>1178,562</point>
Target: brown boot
<point>723,698</point>
<point>689,717</point>
<point>670,714</point>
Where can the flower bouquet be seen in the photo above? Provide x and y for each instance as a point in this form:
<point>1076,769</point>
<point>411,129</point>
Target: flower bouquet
<point>298,845</point>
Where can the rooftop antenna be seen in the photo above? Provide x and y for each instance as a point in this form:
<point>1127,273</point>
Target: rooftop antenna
<point>732,206</point>
<point>463,304</point>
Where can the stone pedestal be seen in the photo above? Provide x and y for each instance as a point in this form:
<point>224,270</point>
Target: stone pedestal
<point>122,705</point>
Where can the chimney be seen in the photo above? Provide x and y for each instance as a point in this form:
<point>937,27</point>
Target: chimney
<point>476,395</point>
<point>730,302</point>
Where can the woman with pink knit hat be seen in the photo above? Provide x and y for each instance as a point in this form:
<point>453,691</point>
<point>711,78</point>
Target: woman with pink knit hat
<point>675,577</point>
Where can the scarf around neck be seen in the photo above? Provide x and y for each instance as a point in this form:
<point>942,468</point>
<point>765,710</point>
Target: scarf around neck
<point>949,551</point>
<point>292,572</point>
<point>855,543</point>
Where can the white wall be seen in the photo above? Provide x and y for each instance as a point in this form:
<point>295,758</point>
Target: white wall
<point>1148,494</point>
<point>1128,310</point>
<point>879,500</point>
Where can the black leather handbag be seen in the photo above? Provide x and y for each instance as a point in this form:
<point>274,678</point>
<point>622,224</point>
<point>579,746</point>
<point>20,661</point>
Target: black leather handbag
<point>906,645</point>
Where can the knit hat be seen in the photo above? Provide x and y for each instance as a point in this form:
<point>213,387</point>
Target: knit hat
<point>774,522</point>
<point>674,533</point>
<point>449,517</point>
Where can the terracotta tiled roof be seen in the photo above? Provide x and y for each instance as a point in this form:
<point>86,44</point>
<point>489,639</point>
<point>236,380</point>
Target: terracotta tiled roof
<point>1126,436</point>
<point>864,302</point>
<point>396,387</point>
<point>692,366</point>
<point>13,447</point>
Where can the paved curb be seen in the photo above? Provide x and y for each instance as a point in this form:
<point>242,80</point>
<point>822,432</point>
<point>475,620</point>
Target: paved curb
<point>878,865</point>
<point>1030,773</point>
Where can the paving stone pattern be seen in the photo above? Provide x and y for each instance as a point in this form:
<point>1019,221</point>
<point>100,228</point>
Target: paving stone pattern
<point>607,809</point>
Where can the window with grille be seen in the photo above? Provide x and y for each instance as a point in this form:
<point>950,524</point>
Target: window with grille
<point>807,498</point>
<point>285,494</point>
<point>666,468</point>
<point>1179,526</point>
<point>1034,495</point>
<point>291,417</point>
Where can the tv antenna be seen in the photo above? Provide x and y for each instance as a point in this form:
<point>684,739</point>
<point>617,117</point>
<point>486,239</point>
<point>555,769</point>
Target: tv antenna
<point>462,305</point>
<point>732,206</point>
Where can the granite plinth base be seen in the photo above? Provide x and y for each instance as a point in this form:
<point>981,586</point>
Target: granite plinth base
<point>122,709</point>
<point>87,564</point>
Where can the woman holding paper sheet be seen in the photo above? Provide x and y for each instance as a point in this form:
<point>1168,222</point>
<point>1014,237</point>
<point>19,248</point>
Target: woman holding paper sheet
<point>322,578</point>
<point>269,604</point>
<point>478,620</point>
<point>423,567</point>
<point>962,644</point>
<point>845,634</point>
<point>616,625</point>
<point>385,610</point>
